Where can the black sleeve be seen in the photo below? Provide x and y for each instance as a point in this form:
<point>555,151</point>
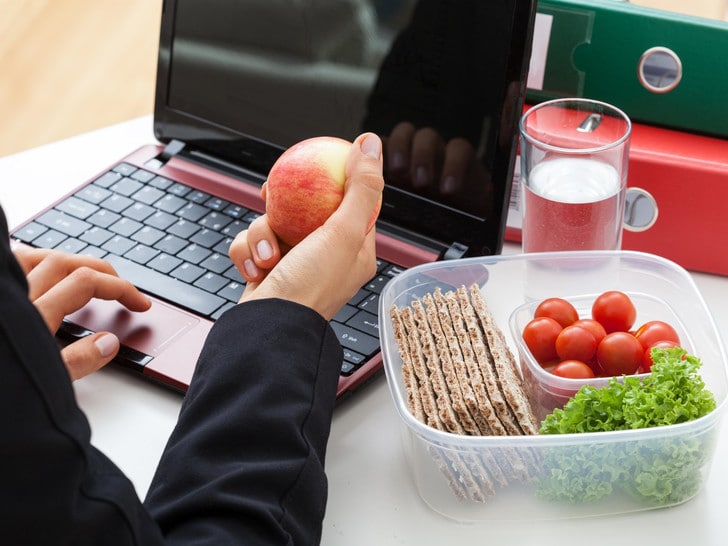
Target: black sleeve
<point>246,461</point>
<point>244,465</point>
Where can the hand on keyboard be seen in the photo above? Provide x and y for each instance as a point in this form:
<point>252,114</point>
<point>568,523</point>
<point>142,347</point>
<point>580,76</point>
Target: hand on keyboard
<point>61,283</point>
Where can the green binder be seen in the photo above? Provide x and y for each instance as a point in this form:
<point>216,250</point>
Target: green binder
<point>661,68</point>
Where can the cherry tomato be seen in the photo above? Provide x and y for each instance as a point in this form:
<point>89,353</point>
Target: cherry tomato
<point>539,335</point>
<point>647,357</point>
<point>573,369</point>
<point>558,309</point>
<point>615,311</point>
<point>576,343</point>
<point>594,327</point>
<point>619,353</point>
<point>656,330</point>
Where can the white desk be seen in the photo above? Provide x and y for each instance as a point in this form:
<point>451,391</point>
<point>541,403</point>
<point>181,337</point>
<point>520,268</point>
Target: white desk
<point>372,500</point>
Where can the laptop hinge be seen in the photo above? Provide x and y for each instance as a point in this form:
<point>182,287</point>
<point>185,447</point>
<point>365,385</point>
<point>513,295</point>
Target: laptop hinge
<point>170,150</point>
<point>455,251</point>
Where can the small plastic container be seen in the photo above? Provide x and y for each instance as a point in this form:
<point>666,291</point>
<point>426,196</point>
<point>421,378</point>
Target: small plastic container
<point>548,391</point>
<point>570,475</point>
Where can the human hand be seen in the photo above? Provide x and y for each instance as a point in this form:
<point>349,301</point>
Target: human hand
<point>420,160</point>
<point>327,268</point>
<point>60,283</point>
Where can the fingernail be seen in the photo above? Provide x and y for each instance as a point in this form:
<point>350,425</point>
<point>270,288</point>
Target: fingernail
<point>107,344</point>
<point>450,185</point>
<point>397,161</point>
<point>250,268</point>
<point>265,251</point>
<point>422,177</point>
<point>372,146</point>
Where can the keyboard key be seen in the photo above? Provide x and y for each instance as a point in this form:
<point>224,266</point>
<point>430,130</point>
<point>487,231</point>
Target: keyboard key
<point>96,236</point>
<point>139,212</point>
<point>188,272</point>
<point>215,220</point>
<point>183,228</point>
<point>148,195</point>
<point>194,253</point>
<point>71,245</point>
<point>232,291</point>
<point>167,288</point>
<point>207,238</point>
<point>65,223</point>
<point>345,313</point>
<point>103,218</point>
<point>118,245</point>
<point>93,194</point>
<point>170,203</point>
<point>171,244</point>
<point>30,232</point>
<point>49,239</point>
<point>370,303</point>
<point>142,175</point>
<point>192,212</point>
<point>126,226</point>
<point>147,235</point>
<point>160,182</point>
<point>180,190</point>
<point>164,263</point>
<point>160,220</point>
<point>233,274</point>
<point>355,340</point>
<point>234,227</point>
<point>211,282</point>
<point>216,263</point>
<point>141,254</point>
<point>126,186</point>
<point>197,196</point>
<point>124,169</point>
<point>116,203</point>
<point>377,284</point>
<point>215,203</point>
<point>77,207</point>
<point>108,179</point>
<point>366,322</point>
<point>236,211</point>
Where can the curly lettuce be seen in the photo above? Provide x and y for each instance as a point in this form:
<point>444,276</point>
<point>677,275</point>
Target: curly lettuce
<point>660,471</point>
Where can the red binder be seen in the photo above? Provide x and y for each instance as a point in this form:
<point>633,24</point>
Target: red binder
<point>687,174</point>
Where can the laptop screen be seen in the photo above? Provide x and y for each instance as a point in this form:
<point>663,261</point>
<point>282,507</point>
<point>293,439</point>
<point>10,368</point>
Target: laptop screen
<point>441,81</point>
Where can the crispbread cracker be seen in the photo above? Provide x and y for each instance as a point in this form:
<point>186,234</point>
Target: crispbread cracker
<point>461,378</point>
<point>505,364</point>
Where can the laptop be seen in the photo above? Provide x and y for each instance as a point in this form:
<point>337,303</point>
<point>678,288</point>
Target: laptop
<point>238,82</point>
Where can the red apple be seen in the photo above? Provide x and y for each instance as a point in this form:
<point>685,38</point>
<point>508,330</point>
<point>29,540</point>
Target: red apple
<point>305,186</point>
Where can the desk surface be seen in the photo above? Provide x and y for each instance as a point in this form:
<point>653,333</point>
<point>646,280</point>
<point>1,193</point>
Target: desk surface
<point>372,500</point>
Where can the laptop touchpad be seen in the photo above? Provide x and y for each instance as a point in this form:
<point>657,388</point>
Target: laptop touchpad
<point>148,332</point>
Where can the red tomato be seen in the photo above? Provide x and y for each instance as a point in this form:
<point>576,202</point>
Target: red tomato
<point>539,335</point>
<point>615,311</point>
<point>594,327</point>
<point>655,330</point>
<point>647,357</point>
<point>573,369</point>
<point>558,309</point>
<point>619,353</point>
<point>576,343</point>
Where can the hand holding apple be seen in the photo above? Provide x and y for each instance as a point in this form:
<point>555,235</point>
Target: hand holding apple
<point>305,186</point>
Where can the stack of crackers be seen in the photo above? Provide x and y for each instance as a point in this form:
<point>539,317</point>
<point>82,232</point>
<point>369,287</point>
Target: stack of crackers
<point>462,378</point>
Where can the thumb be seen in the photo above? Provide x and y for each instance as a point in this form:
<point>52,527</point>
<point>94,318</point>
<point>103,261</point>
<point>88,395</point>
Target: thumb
<point>364,182</point>
<point>88,354</point>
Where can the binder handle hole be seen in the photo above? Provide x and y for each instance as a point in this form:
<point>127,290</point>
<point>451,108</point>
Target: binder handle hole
<point>659,70</point>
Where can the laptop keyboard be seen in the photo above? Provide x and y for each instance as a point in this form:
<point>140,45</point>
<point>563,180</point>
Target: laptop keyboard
<point>172,241</point>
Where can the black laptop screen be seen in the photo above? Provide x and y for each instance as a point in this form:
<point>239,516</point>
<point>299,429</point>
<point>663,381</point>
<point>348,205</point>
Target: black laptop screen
<point>441,81</point>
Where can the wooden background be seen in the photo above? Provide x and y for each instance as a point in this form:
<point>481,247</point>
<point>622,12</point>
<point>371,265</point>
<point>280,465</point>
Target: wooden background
<point>71,66</point>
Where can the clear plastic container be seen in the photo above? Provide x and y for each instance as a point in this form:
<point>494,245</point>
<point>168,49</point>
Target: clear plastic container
<point>571,475</point>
